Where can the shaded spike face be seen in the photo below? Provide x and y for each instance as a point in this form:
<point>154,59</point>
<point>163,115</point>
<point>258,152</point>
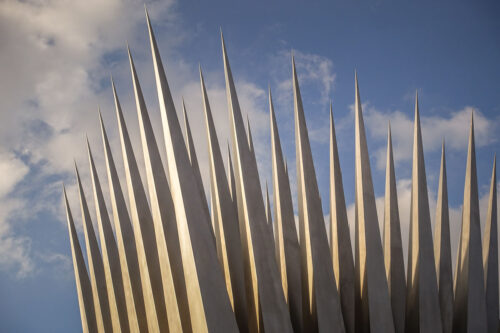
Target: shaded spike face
<point>373,306</point>
<point>442,250</point>
<point>110,257</point>
<point>490,255</point>
<point>286,242</point>
<point>83,287</point>
<point>157,282</point>
<point>422,301</point>
<point>469,304</point>
<point>96,267</point>
<point>269,217</point>
<point>225,220</point>
<point>267,306</point>
<point>209,304</point>
<point>230,176</point>
<point>340,238</point>
<point>162,206</point>
<point>192,156</point>
<point>126,244</point>
<point>393,246</point>
<point>321,303</point>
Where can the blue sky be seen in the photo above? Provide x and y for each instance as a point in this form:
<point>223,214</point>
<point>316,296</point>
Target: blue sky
<point>57,56</point>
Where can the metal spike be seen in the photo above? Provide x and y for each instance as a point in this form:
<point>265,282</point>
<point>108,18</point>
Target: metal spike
<point>269,218</point>
<point>225,218</point>
<point>286,242</point>
<point>162,206</point>
<point>110,257</point>
<point>422,301</point>
<point>96,267</point>
<point>442,250</point>
<point>470,304</point>
<point>156,277</point>
<point>268,310</point>
<point>373,306</point>
<point>393,246</point>
<point>208,300</point>
<point>340,239</point>
<point>126,243</point>
<point>490,255</point>
<point>321,303</point>
<point>83,287</point>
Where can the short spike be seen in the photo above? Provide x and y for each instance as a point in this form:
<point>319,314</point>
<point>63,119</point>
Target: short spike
<point>156,277</point>
<point>112,267</point>
<point>268,310</point>
<point>230,176</point>
<point>321,303</point>
<point>208,301</point>
<point>126,243</point>
<point>490,255</point>
<point>373,305</point>
<point>422,301</point>
<point>470,304</point>
<point>442,250</point>
<point>393,246</point>
<point>340,238</point>
<point>162,206</point>
<point>83,287</point>
<point>286,242</point>
<point>269,217</point>
<point>225,217</point>
<point>96,267</point>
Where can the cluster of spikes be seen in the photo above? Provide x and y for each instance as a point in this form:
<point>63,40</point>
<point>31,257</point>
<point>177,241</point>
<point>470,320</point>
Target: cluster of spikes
<point>176,265</point>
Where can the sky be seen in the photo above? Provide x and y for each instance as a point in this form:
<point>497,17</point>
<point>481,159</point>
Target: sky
<point>57,56</point>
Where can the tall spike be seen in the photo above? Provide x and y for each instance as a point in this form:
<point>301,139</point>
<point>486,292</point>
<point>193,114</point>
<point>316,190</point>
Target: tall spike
<point>469,305</point>
<point>126,243</point>
<point>373,306</point>
<point>192,155</point>
<point>267,306</point>
<point>225,220</point>
<point>340,239</point>
<point>110,257</point>
<point>209,303</point>
<point>96,267</point>
<point>321,303</point>
<point>162,206</point>
<point>393,246</point>
<point>156,277</point>
<point>83,287</point>
<point>490,255</point>
<point>286,242</point>
<point>442,250</point>
<point>422,300</point>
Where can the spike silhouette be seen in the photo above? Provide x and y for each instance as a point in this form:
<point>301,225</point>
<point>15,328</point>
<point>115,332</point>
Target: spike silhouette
<point>393,246</point>
<point>110,256</point>
<point>126,243</point>
<point>490,255</point>
<point>321,303</point>
<point>442,250</point>
<point>267,306</point>
<point>373,307</point>
<point>162,207</point>
<point>83,287</point>
<point>209,304</point>
<point>469,304</point>
<point>286,242</point>
<point>96,267</point>
<point>422,302</point>
<point>340,239</point>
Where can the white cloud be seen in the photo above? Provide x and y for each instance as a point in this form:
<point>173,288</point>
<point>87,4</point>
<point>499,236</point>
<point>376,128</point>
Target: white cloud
<point>452,127</point>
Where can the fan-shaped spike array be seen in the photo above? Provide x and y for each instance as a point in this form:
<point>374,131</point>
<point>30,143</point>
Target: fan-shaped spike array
<point>172,264</point>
